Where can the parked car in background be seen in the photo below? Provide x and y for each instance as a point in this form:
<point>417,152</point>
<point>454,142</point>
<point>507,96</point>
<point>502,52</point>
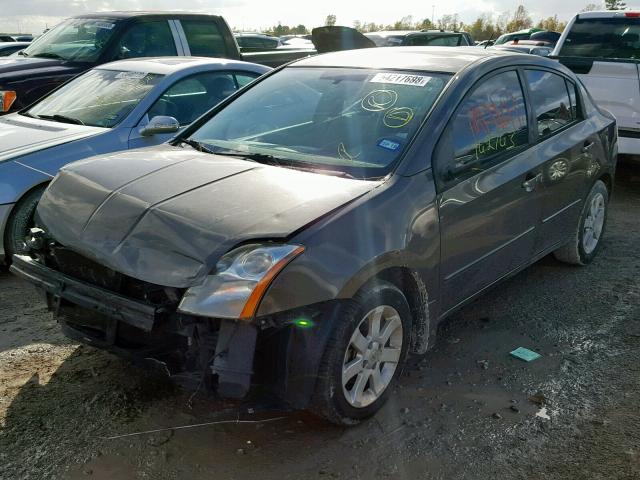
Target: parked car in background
<point>391,38</point>
<point>80,43</point>
<point>550,38</point>
<point>23,38</point>
<point>297,42</point>
<point>526,46</point>
<point>117,106</point>
<point>432,38</point>
<point>7,48</point>
<point>7,38</point>
<point>437,38</point>
<point>314,229</point>
<point>603,49</point>
<point>519,35</point>
<point>256,42</point>
<point>485,43</point>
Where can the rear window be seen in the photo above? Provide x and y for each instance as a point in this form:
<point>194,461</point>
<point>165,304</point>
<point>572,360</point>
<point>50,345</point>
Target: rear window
<point>604,38</point>
<point>204,37</point>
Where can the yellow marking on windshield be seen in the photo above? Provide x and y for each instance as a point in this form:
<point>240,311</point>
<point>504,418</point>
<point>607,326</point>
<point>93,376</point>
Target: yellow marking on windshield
<point>398,117</point>
<point>342,152</point>
<point>379,100</point>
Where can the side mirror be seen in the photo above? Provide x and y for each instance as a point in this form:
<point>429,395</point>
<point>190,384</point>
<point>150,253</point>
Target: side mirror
<point>160,124</point>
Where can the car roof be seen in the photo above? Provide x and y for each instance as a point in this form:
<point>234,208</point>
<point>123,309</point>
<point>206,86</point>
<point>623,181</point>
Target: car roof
<point>431,59</point>
<point>391,33</point>
<point>142,13</point>
<point>169,65</point>
<point>13,44</point>
<point>610,14</point>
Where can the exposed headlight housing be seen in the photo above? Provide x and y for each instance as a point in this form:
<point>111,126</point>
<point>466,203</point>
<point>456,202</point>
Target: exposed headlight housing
<point>7,97</point>
<point>238,283</point>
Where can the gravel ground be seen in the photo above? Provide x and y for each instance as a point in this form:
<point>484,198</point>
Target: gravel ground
<point>466,410</point>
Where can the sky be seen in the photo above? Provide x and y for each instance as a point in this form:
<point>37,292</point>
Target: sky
<point>32,16</point>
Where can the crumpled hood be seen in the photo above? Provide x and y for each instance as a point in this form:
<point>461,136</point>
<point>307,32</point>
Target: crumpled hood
<point>166,214</point>
<point>21,135</point>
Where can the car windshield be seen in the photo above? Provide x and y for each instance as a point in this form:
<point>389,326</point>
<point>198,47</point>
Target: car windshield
<point>76,39</point>
<point>99,98</point>
<point>433,40</point>
<point>355,121</point>
<point>603,38</point>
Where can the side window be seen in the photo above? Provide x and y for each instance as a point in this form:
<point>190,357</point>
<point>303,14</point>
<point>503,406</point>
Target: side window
<point>244,79</point>
<point>204,38</point>
<point>147,39</point>
<point>488,124</point>
<point>549,100</point>
<point>190,97</point>
<point>575,108</point>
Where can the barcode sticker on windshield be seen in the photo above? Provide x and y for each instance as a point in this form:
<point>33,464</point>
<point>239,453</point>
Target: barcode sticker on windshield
<point>401,79</point>
<point>105,25</point>
<point>131,75</point>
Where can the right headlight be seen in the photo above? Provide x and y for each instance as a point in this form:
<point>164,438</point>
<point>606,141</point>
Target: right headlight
<point>238,283</point>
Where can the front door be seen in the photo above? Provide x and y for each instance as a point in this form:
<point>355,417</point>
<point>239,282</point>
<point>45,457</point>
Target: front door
<point>488,206</point>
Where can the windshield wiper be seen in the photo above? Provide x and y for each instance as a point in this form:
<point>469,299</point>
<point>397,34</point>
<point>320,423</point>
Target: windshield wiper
<point>61,118</point>
<point>23,53</point>
<point>48,55</point>
<point>258,157</point>
<point>196,145</point>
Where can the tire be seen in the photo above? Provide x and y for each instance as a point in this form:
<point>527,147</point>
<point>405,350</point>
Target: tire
<point>20,222</point>
<point>584,246</point>
<point>340,403</point>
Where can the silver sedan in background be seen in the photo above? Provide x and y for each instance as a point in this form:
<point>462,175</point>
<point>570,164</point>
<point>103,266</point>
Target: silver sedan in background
<point>117,106</point>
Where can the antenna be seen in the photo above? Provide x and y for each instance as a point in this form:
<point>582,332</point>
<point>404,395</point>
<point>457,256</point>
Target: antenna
<point>488,41</point>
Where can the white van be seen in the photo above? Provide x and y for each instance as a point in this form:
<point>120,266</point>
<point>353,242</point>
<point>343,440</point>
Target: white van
<point>603,49</point>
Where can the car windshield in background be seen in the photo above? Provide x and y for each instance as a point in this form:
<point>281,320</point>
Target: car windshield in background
<point>99,98</point>
<point>604,38</point>
<point>355,121</point>
<point>76,39</point>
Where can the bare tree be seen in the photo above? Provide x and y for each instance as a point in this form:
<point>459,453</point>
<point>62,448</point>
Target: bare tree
<point>520,20</point>
<point>615,5</point>
<point>591,7</point>
<point>330,21</point>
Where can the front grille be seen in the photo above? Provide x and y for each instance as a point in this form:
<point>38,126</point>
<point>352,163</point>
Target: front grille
<point>79,267</point>
<point>70,263</point>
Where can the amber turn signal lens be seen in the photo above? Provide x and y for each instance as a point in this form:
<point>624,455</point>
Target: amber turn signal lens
<point>7,97</point>
<point>251,307</point>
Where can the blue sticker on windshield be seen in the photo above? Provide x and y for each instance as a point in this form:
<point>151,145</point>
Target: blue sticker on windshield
<point>389,145</point>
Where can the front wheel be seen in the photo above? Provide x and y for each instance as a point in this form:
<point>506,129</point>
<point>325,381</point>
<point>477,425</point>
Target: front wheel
<point>585,241</point>
<point>364,355</point>
<point>21,220</point>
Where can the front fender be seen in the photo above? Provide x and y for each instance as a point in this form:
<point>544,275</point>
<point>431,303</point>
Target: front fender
<point>395,225</point>
<point>17,179</point>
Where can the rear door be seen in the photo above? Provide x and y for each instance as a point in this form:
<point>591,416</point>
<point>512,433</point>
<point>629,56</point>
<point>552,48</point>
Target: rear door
<point>565,145</point>
<point>603,49</point>
<point>488,205</point>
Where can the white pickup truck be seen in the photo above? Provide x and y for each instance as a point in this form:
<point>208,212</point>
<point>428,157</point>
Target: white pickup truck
<point>603,49</point>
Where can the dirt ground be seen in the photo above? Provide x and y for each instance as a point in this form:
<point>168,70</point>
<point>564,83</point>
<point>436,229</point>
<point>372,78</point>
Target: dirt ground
<point>466,410</point>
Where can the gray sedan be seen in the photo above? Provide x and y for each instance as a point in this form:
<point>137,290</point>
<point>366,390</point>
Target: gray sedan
<point>313,230</point>
<point>117,106</point>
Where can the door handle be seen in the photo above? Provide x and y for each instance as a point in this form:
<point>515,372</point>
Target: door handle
<point>531,182</point>
<point>587,146</point>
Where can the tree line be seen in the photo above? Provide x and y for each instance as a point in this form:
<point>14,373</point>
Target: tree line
<point>485,27</point>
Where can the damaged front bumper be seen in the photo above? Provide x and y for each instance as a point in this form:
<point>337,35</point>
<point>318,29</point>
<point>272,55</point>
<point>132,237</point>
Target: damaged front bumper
<point>189,349</point>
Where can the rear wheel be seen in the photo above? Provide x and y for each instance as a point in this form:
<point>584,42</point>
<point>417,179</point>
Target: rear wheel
<point>586,240</point>
<point>21,220</point>
<point>364,356</point>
